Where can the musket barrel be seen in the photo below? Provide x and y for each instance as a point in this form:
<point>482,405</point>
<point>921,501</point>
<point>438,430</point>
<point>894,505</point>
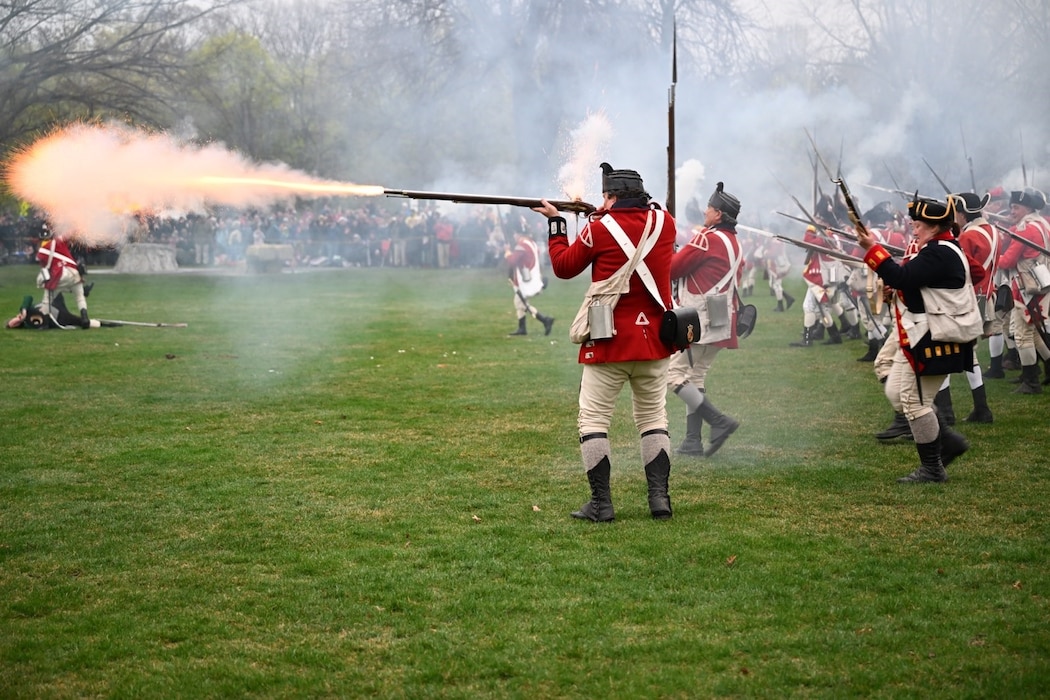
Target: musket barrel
<point>575,206</point>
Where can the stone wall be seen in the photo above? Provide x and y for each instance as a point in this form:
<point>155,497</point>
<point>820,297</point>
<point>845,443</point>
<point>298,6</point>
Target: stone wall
<point>143,258</point>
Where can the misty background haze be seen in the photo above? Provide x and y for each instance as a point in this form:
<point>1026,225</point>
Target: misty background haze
<point>472,96</point>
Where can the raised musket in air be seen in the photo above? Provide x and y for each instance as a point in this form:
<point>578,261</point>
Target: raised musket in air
<point>942,183</point>
<point>819,158</point>
<point>887,190</point>
<point>969,161</point>
<point>851,208</point>
<point>575,206</point>
<point>831,252</point>
<point>671,197</point>
<point>906,196</point>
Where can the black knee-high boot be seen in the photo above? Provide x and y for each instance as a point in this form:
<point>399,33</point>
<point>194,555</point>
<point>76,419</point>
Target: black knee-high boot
<point>600,508</point>
<point>547,322</point>
<point>930,467</point>
<point>722,426</point>
<point>656,475</point>
<point>981,413</point>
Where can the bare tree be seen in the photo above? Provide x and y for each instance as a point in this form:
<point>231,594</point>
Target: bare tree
<point>710,34</point>
<point>976,69</point>
<point>68,59</point>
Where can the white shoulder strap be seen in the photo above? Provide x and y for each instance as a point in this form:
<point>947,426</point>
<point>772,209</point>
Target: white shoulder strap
<point>734,262</point>
<point>962,256</point>
<point>653,226</point>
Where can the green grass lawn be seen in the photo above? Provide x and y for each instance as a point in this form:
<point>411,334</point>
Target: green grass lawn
<point>353,483</point>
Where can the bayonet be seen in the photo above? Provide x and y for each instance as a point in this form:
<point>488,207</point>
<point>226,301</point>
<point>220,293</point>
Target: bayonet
<point>969,161</point>
<point>817,192</point>
<point>816,152</point>
<point>905,195</point>
<point>943,184</point>
<point>1024,169</point>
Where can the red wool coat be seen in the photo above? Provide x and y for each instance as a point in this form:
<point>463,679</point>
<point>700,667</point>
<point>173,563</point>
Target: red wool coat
<point>637,315</point>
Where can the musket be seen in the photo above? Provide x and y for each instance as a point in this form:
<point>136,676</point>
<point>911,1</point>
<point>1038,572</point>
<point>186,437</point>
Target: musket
<point>898,190</point>
<point>838,170</point>
<point>810,217</point>
<point>820,228</point>
<point>576,206</point>
<point>823,227</point>
<point>892,249</point>
<point>947,190</point>
<point>817,154</point>
<point>1011,234</point>
<point>969,161</point>
<point>902,193</point>
<point>1024,170</point>
<point>906,195</point>
<point>803,244</point>
<point>670,204</point>
<point>851,207</point>
<point>794,218</point>
<point>817,192</point>
<point>110,323</point>
<point>1022,239</point>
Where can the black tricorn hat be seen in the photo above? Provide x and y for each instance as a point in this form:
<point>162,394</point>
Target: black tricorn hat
<point>724,202</point>
<point>932,211</point>
<point>622,182</point>
<point>970,203</point>
<point>1028,197</point>
<point>879,215</point>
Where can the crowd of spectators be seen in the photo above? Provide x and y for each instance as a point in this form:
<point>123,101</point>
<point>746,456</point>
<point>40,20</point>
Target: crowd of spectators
<point>329,236</point>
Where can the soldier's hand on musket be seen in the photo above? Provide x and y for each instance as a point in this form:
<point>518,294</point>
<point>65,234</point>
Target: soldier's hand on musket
<point>865,239</point>
<point>547,209</point>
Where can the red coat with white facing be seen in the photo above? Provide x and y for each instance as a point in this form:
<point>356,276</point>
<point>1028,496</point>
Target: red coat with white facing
<point>637,315</point>
<point>706,261</point>
<point>980,241</point>
<point>816,263</point>
<point>522,256</point>
<point>1032,228</point>
<point>55,261</point>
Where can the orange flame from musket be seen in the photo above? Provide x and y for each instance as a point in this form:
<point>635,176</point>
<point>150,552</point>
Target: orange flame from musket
<point>330,188</point>
<point>89,179</point>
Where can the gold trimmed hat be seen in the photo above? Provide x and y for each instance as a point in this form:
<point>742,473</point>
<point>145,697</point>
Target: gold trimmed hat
<point>932,211</point>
